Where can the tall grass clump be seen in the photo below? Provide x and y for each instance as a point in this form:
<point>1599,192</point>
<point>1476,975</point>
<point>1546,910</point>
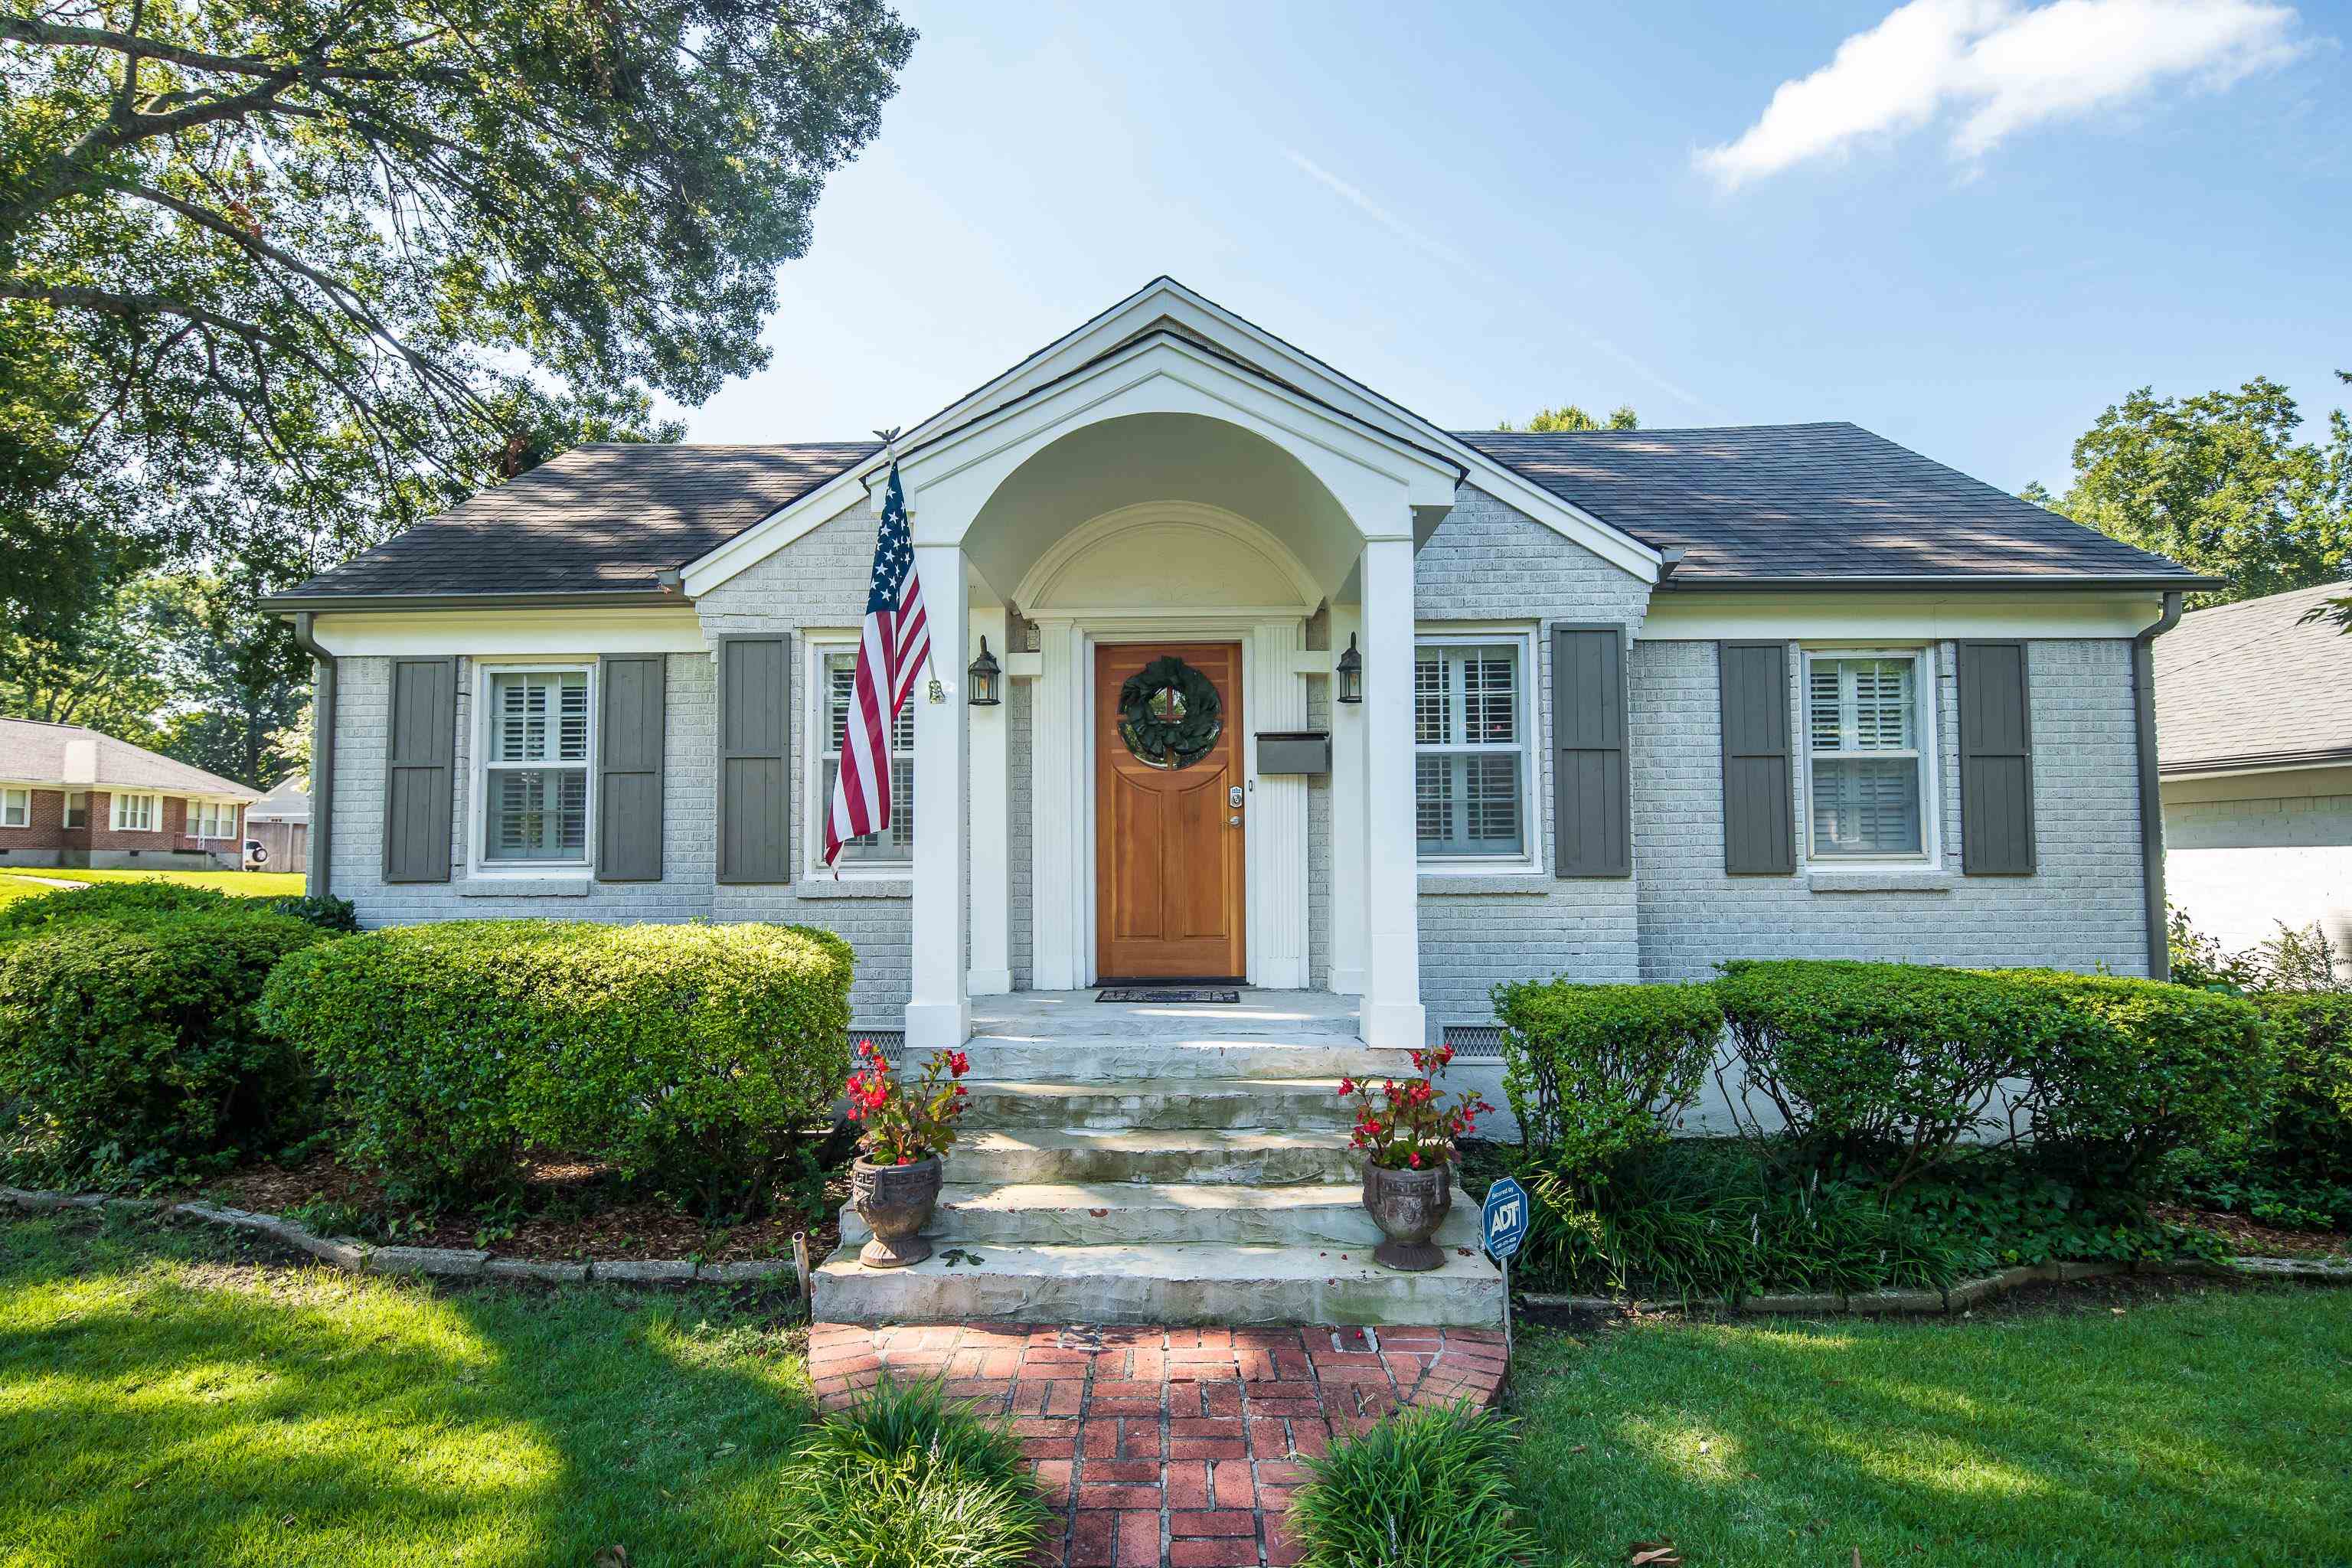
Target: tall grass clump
<point>1427,1489</point>
<point>907,1479</point>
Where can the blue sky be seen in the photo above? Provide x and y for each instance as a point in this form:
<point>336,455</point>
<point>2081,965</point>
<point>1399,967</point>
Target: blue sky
<point>1971,230</point>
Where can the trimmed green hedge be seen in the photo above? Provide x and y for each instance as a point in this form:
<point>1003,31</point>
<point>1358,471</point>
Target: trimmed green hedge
<point>1595,1072</point>
<point>2149,1068</point>
<point>1894,1065</point>
<point>130,1047</point>
<point>2310,1129</point>
<point>687,1056</point>
<point>104,901</point>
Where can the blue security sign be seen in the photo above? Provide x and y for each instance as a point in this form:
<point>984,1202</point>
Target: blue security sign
<point>1504,1219</point>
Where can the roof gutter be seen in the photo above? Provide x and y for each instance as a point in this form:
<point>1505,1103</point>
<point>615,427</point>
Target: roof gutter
<point>1974,583</point>
<point>322,759</point>
<point>2151,798</point>
<point>625,598</point>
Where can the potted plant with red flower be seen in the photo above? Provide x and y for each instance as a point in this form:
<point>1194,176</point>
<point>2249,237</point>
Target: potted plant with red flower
<point>894,1184</point>
<point>1407,1134</point>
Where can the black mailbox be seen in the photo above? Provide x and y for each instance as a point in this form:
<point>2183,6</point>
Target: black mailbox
<point>1294,752</point>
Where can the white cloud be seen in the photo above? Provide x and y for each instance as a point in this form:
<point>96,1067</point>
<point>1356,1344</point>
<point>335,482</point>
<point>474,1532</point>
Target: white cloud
<point>1996,67</point>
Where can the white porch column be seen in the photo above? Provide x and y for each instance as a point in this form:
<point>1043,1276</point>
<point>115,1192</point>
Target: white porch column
<point>992,820</point>
<point>1347,819</point>
<point>1060,905</point>
<point>939,1013</point>
<point>1393,1014</point>
<point>1274,698</point>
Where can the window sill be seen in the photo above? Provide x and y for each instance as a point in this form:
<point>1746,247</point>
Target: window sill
<point>479,886</point>
<point>824,885</point>
<point>1879,879</point>
<point>1471,882</point>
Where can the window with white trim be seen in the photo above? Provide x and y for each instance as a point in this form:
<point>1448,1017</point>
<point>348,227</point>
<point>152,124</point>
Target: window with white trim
<point>1471,721</point>
<point>15,808</point>
<point>895,846</point>
<point>78,808</point>
<point>212,819</point>
<point>135,813</point>
<point>536,744</point>
<point>1868,737</point>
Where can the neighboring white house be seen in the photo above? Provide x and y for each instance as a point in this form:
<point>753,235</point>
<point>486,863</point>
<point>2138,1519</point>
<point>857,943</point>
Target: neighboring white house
<point>277,828</point>
<point>2254,723</point>
<point>1632,703</point>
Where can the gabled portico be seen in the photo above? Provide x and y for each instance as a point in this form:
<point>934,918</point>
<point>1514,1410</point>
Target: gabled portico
<point>1166,491</point>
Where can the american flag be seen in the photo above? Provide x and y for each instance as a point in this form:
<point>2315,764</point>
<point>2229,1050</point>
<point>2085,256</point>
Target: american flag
<point>897,640</point>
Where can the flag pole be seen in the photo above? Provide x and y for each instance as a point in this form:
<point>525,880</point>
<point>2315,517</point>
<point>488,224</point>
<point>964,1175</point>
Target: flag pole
<point>938,693</point>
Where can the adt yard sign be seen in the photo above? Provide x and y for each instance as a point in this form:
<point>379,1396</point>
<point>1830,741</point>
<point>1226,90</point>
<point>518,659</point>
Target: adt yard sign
<point>1502,1225</point>
<point>1505,1219</point>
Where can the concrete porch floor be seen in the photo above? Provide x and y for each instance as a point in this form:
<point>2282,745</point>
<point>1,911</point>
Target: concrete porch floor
<point>1260,1018</point>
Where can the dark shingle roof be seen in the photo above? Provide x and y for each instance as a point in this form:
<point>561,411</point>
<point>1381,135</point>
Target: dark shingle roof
<point>1746,504</point>
<point>34,753</point>
<point>2246,684</point>
<point>600,518</point>
<point>1807,500</point>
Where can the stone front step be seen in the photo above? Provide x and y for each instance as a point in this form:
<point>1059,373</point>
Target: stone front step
<point>1088,1059</point>
<point>1158,1284</point>
<point>1325,1218</point>
<point>1245,1156</point>
<point>1280,1104</point>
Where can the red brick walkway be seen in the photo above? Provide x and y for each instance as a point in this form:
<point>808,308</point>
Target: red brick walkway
<point>1169,1447</point>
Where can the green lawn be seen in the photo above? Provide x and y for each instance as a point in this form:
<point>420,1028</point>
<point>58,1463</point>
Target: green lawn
<point>2211,1428</point>
<point>240,884</point>
<point>164,1399</point>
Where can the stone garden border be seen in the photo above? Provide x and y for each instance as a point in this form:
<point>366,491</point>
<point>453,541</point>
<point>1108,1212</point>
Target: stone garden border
<point>1962,1296</point>
<point>357,1257</point>
<point>362,1257</point>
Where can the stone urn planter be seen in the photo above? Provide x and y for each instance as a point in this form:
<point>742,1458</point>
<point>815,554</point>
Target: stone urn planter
<point>1408,1206</point>
<point>895,1202</point>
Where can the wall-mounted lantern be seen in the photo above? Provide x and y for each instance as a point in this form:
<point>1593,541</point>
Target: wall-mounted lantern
<point>1350,684</point>
<point>985,676</point>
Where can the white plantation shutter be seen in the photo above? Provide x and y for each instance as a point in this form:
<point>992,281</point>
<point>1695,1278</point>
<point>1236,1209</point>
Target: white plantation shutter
<point>537,772</point>
<point>1861,723</point>
<point>897,845</point>
<point>1469,766</point>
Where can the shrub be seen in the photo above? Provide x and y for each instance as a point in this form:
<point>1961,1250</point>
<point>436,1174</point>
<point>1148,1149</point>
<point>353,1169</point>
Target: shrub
<point>106,900</point>
<point>1891,1066</point>
<point>905,1479</point>
<point>689,1057</point>
<point>2138,1068</point>
<point>1426,1489</point>
<point>1595,1072</point>
<point>324,911</point>
<point>2310,1130</point>
<point>128,1040</point>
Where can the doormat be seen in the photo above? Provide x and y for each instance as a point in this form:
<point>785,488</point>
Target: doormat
<point>1167,994</point>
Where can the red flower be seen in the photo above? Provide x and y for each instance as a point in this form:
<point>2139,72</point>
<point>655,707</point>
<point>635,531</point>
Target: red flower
<point>1416,1162</point>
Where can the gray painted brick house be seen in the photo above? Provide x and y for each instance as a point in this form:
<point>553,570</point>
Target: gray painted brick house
<point>1631,702</point>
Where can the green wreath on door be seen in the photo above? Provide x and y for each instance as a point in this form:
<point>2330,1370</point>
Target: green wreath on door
<point>1169,715</point>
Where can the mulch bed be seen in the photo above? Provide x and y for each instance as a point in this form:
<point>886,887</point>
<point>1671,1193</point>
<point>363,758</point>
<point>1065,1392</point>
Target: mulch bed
<point>2251,1239</point>
<point>569,1210</point>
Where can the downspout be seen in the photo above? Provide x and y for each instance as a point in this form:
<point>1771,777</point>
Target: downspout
<point>322,758</point>
<point>2151,798</point>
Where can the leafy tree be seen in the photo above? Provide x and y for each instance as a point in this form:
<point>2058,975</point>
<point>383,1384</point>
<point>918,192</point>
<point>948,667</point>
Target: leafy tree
<point>234,681</point>
<point>1571,416</point>
<point>277,276</point>
<point>2220,483</point>
<point>99,667</point>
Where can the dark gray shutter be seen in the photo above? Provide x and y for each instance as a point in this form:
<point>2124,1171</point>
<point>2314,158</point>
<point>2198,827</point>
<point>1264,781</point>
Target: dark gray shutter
<point>420,770</point>
<point>1995,761</point>
<point>1592,819</point>
<point>1758,819</point>
<point>755,727</point>
<point>629,768</point>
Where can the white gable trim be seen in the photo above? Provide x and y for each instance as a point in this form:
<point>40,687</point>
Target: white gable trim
<point>1165,298</point>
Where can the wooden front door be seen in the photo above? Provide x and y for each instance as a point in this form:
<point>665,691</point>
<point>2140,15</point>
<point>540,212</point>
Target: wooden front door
<point>1168,840</point>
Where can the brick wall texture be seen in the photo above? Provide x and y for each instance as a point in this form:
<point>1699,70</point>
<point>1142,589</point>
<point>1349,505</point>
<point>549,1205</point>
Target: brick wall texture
<point>1488,567</point>
<point>45,840</point>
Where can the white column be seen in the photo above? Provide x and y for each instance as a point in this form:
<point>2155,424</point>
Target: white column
<point>1347,818</point>
<point>1392,1007</point>
<point>1058,909</point>
<point>991,821</point>
<point>939,1013</point>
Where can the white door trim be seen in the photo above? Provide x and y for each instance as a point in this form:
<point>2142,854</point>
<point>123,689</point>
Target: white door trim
<point>1062,832</point>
